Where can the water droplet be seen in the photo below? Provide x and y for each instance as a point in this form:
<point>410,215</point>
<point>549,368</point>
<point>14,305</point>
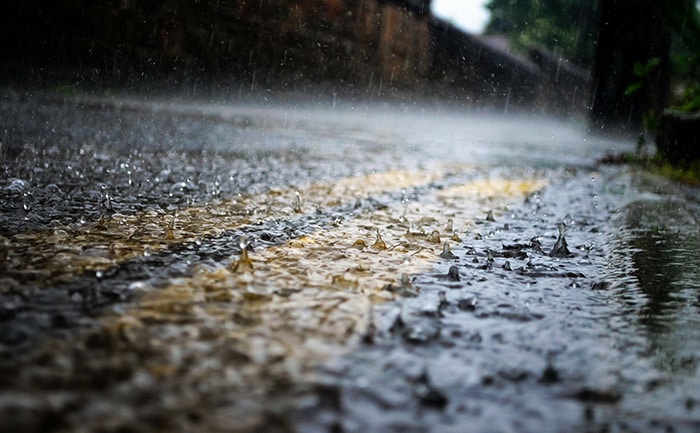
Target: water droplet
<point>169,232</point>
<point>379,244</point>
<point>489,260</point>
<point>243,243</point>
<point>404,216</point>
<point>447,253</point>
<point>443,302</point>
<point>406,287</point>
<point>448,228</point>
<point>560,249</point>
<point>244,263</point>
<point>489,216</point>
<point>297,202</point>
<point>107,202</point>
<point>468,304</point>
<point>359,244</point>
<point>434,237</point>
<point>453,273</point>
<point>27,201</point>
<point>341,281</point>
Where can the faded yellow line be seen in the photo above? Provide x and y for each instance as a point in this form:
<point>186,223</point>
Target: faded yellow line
<point>306,300</point>
<point>58,254</point>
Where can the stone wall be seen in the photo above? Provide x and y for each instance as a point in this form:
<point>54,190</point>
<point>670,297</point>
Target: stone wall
<point>366,43</point>
<point>364,47</point>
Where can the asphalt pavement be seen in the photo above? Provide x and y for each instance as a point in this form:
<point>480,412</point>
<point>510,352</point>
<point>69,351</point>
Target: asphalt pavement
<point>174,264</point>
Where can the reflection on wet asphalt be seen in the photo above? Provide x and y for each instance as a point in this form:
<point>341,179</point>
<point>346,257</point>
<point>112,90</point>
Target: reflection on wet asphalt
<point>410,268</point>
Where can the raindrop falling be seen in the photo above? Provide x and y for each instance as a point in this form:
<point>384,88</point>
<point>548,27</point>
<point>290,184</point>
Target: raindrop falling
<point>297,202</point>
<point>107,202</point>
<point>27,201</point>
<point>405,201</point>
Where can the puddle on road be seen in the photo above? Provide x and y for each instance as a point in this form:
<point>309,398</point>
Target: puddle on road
<point>527,342</point>
<point>655,275</point>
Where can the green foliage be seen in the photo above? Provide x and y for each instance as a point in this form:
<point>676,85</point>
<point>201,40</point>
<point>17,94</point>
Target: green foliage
<point>64,89</point>
<point>644,70</point>
<point>689,101</point>
<point>568,27</point>
<point>641,73</point>
<point>684,18</point>
<point>689,175</point>
<point>651,121</point>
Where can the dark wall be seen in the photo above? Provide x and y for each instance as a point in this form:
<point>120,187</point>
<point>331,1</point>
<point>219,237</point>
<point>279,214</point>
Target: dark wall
<point>279,42</point>
<point>484,73</point>
<point>366,47</point>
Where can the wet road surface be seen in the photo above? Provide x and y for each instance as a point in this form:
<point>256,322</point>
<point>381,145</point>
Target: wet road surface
<point>406,268</point>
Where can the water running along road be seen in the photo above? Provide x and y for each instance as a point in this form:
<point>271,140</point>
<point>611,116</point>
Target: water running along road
<point>405,272</point>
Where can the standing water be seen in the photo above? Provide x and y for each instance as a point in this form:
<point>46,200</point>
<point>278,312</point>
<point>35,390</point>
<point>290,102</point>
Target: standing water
<point>219,267</point>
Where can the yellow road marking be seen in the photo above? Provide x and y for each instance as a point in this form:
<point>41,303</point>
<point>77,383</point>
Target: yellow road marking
<point>63,252</point>
<point>225,342</point>
<point>307,299</point>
